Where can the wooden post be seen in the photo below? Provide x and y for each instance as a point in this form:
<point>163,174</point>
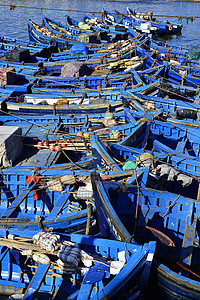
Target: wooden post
<point>89,214</point>
<point>54,109</point>
<point>198,194</point>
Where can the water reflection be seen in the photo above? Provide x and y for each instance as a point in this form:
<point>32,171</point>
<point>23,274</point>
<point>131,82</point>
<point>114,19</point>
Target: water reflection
<point>14,22</point>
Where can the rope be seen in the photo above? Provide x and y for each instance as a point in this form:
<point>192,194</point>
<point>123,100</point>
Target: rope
<point>13,7</point>
<point>144,100</point>
<point>176,152</point>
<point>171,205</point>
<point>40,187</point>
<point>165,79</point>
<point>138,195</point>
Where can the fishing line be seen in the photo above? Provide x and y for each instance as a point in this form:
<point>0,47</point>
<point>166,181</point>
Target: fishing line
<point>13,7</point>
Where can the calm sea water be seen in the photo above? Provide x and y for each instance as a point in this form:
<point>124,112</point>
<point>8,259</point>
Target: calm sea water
<point>13,22</point>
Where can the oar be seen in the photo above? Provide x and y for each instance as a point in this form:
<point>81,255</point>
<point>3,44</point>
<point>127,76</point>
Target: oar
<point>21,245</point>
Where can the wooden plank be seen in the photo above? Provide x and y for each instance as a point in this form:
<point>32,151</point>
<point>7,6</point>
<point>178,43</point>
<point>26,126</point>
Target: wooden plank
<point>144,143</point>
<point>85,290</point>
<point>58,205</point>
<point>188,241</point>
<point>18,200</point>
<point>4,253</point>
<point>198,194</point>
<point>181,146</point>
<point>144,277</point>
<point>21,244</point>
<point>143,173</point>
<point>6,191</point>
<point>36,282</point>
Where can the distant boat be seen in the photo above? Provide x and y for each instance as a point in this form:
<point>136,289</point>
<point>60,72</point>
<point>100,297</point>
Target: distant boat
<point>164,26</point>
<point>40,34</point>
<point>36,35</point>
<point>120,20</point>
<point>96,26</point>
<point>143,22</point>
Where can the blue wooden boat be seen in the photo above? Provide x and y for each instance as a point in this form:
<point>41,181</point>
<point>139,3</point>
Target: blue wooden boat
<point>164,26</point>
<point>59,90</point>
<point>58,28</point>
<point>166,58</point>
<point>89,82</point>
<point>185,114</point>
<point>179,139</point>
<point>37,50</point>
<point>100,24</point>
<point>172,75</point>
<point>41,34</point>
<point>187,88</point>
<point>64,30</point>
<point>152,169</point>
<point>57,94</point>
<point>62,57</point>
<point>176,56</point>
<point>54,141</point>
<point>24,74</point>
<point>131,212</point>
<point>78,51</point>
<point>65,109</point>
<point>22,42</point>
<point>46,142</point>
<point>49,35</point>
<point>46,280</point>
<point>118,19</point>
<point>61,130</point>
<point>112,18</point>
<point>164,47</point>
<point>49,38</point>
<point>39,199</point>
<point>142,22</point>
<point>161,136</point>
<point>21,205</point>
<point>97,25</point>
<point>102,57</point>
<point>56,122</point>
<point>75,24</point>
<point>27,152</point>
<point>174,91</point>
<point>187,165</point>
<point>180,108</point>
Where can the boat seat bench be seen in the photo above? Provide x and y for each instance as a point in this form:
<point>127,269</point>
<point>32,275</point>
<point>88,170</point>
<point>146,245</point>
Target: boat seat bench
<point>17,201</point>
<point>36,281</point>
<point>188,241</point>
<point>181,146</point>
<point>85,290</point>
<point>58,206</point>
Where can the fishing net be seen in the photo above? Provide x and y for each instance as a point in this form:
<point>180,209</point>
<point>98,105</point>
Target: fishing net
<point>194,53</point>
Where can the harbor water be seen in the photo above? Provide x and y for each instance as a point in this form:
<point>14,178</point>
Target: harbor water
<point>14,14</point>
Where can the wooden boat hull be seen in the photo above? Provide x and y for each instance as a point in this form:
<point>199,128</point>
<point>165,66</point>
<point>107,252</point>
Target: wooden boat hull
<point>163,28</point>
<point>116,219</point>
<point>171,285</point>
<point>36,36</point>
<point>25,109</point>
<point>56,210</point>
<point>56,284</point>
